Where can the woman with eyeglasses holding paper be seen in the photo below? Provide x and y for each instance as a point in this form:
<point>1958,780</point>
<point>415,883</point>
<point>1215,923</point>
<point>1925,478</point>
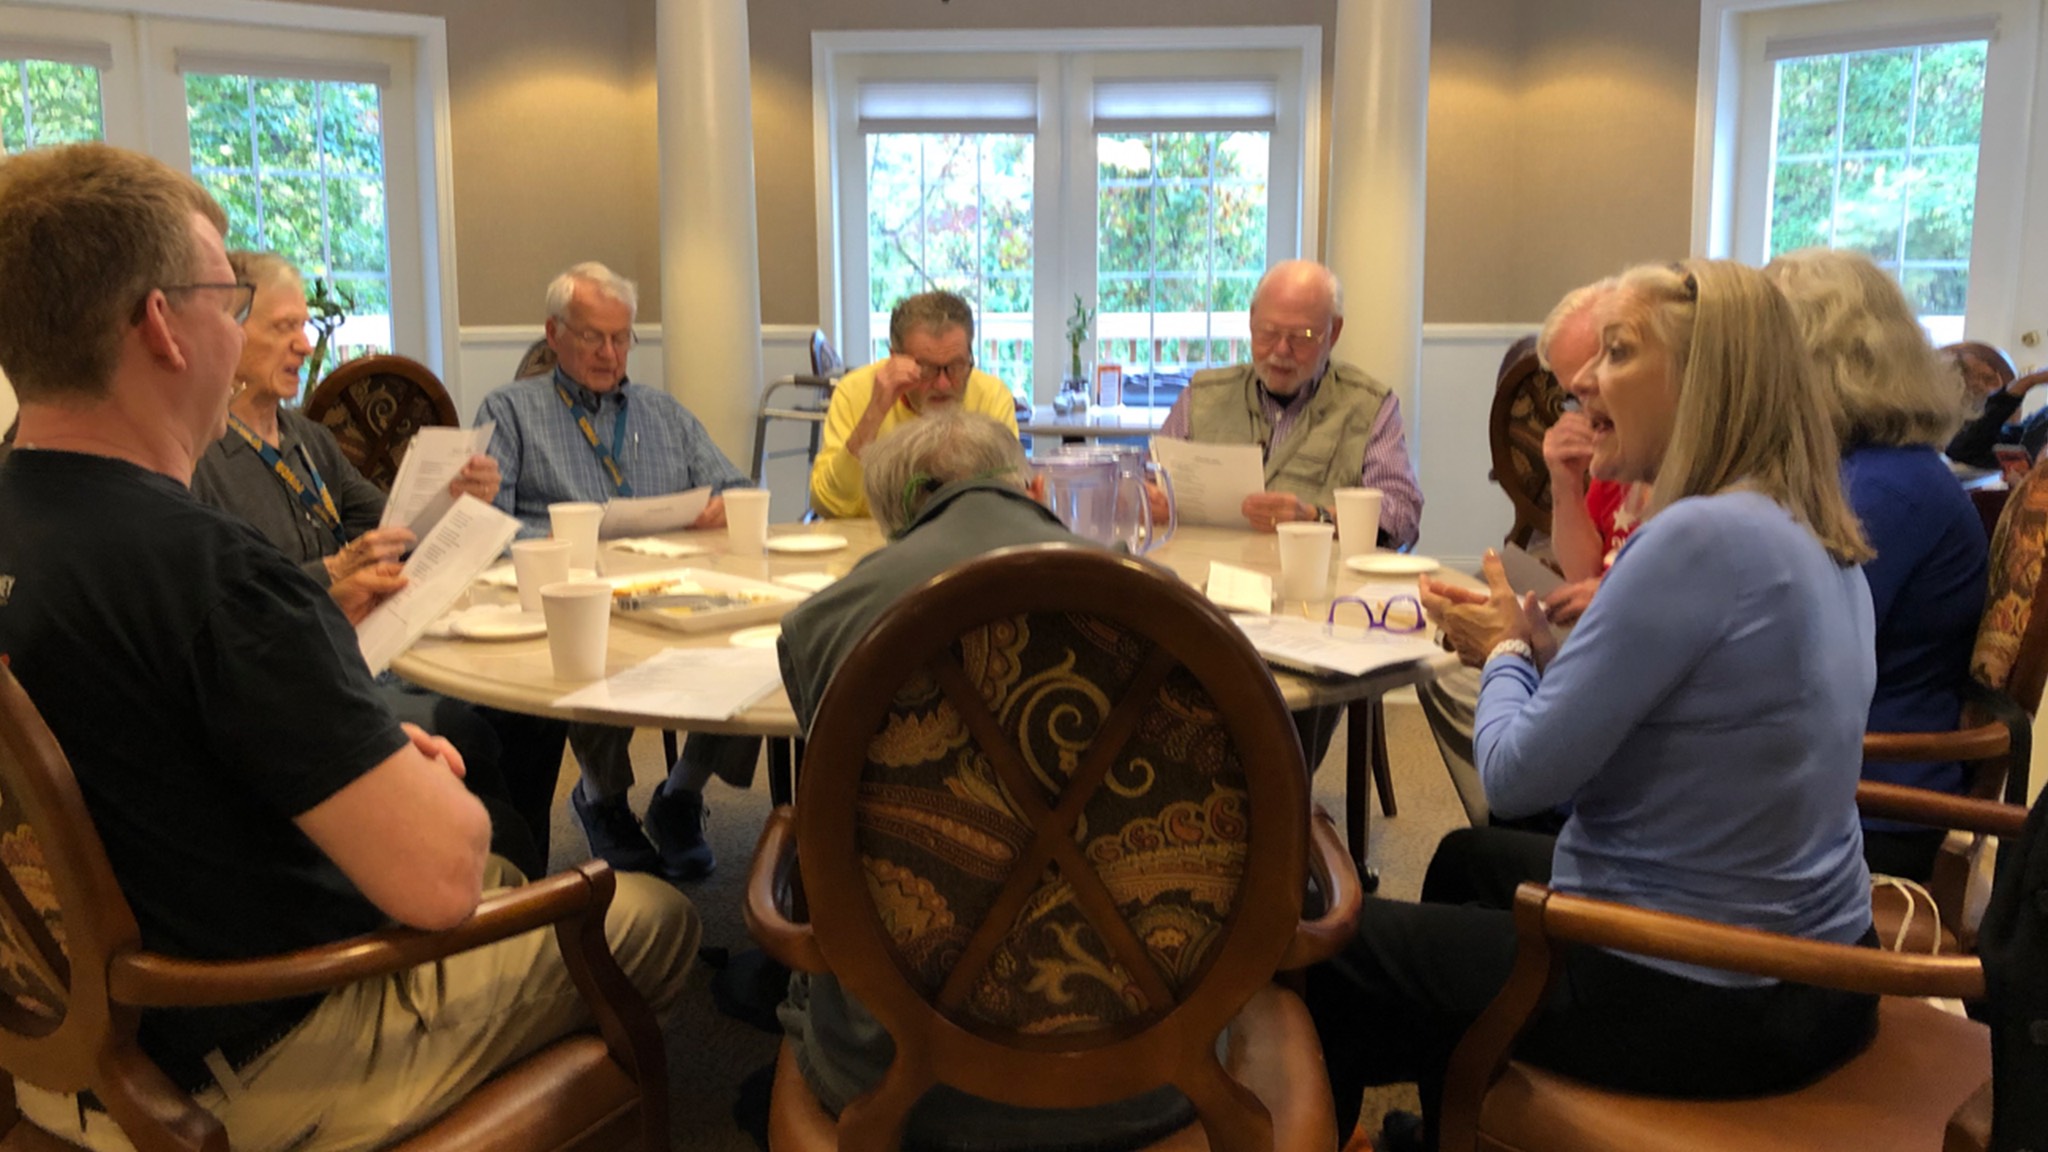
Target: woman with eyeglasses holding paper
<point>286,476</point>
<point>1704,720</point>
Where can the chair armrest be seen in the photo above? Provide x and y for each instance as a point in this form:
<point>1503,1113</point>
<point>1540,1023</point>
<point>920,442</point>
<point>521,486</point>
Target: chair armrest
<point>769,884</point>
<point>1939,809</point>
<point>1544,917</point>
<point>1981,742</point>
<point>149,980</point>
<point>1336,878</point>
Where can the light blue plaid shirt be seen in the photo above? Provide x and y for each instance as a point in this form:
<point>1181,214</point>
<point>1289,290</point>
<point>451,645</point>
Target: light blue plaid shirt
<point>543,458</point>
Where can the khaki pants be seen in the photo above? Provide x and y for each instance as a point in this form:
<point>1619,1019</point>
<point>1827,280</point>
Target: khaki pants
<point>380,1059</point>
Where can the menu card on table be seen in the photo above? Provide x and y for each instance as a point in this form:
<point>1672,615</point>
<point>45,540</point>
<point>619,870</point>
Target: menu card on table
<point>1332,649</point>
<point>685,684</point>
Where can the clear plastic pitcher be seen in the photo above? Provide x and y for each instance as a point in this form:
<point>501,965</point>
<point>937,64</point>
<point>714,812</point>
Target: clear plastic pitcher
<point>1104,489</point>
<point>1080,488</point>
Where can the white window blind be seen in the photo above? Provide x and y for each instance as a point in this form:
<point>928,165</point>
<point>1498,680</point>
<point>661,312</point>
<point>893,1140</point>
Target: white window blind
<point>948,106</point>
<point>276,68</point>
<point>1182,104</point>
<point>1878,39</point>
<point>91,55</point>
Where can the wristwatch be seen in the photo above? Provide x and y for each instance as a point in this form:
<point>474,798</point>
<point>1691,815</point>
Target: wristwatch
<point>1323,515</point>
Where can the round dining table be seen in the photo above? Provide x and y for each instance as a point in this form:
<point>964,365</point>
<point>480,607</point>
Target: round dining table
<point>518,674</point>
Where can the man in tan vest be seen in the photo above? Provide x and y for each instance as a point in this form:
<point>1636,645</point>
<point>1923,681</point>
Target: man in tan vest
<point>1323,424</point>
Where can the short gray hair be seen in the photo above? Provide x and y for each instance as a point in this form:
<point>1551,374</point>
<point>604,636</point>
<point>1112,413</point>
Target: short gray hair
<point>1329,279</point>
<point>904,468</point>
<point>932,312</point>
<point>1576,303</point>
<point>608,284</point>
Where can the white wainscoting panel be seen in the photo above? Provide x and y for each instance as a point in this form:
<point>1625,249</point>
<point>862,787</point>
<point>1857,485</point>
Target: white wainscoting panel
<point>1463,512</point>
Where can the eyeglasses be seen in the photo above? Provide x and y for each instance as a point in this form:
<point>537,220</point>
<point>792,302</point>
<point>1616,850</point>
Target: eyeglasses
<point>591,341</point>
<point>242,295</point>
<point>1268,335</point>
<point>957,371</point>
<point>1401,614</point>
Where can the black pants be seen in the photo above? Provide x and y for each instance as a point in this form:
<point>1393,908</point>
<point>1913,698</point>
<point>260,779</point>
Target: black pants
<point>483,775</point>
<point>1907,852</point>
<point>1393,1006</point>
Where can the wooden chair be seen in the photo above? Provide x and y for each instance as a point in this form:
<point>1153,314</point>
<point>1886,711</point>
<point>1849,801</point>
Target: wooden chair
<point>373,405</point>
<point>825,359</point>
<point>1921,1080</point>
<point>73,977</point>
<point>1026,768</point>
<point>539,360</point>
<point>1990,355</point>
<point>1527,400</point>
<point>2008,667</point>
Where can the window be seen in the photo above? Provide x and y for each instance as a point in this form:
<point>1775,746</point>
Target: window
<point>47,102</point>
<point>298,165</point>
<point>1877,151</point>
<point>1900,128</point>
<point>1039,169</point>
<point>322,131</point>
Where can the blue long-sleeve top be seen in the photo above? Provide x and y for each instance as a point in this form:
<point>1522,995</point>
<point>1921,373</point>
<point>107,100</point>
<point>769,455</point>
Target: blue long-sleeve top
<point>1927,588</point>
<point>1705,718</point>
<point>543,457</point>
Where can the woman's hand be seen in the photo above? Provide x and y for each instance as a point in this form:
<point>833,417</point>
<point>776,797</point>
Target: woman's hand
<point>1474,623</point>
<point>435,748</point>
<point>377,546</point>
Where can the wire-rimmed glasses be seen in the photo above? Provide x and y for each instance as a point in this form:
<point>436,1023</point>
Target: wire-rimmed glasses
<point>1400,614</point>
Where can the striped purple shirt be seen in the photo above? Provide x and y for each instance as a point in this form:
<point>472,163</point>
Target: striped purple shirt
<point>1386,456</point>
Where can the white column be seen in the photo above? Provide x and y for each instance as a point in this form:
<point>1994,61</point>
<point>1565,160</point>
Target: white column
<point>1378,133</point>
<point>710,256</point>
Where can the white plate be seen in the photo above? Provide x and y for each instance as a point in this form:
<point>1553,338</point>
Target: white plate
<point>653,546</point>
<point>1392,563</point>
<point>805,543</point>
<point>496,622</point>
<point>761,636</point>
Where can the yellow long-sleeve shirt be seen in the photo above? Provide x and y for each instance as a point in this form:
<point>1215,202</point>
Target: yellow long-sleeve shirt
<point>836,475</point>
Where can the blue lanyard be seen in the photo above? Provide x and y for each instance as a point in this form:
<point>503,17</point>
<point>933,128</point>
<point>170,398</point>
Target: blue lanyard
<point>608,458</point>
<point>313,496</point>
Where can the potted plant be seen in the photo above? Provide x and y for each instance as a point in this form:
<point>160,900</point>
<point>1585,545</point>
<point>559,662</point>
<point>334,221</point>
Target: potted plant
<point>1074,390</point>
<point>329,305</point>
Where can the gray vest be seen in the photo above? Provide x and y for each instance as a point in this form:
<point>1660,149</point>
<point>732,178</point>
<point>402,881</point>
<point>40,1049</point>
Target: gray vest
<point>1324,450</point>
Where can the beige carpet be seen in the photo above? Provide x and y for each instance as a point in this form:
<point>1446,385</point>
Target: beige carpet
<point>709,1054</point>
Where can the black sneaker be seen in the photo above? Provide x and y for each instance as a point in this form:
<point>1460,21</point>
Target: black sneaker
<point>614,832</point>
<point>677,818</point>
<point>1400,1132</point>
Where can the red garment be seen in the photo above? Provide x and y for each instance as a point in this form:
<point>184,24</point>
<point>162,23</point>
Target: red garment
<point>1613,513</point>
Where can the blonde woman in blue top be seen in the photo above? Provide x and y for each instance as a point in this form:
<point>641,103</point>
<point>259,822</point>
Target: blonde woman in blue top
<point>1704,721</point>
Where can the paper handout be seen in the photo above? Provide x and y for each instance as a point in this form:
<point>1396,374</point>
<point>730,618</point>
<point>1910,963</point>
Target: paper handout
<point>647,515</point>
<point>1332,649</point>
<point>685,684</point>
<point>462,544</point>
<point>1210,481</point>
<point>1236,589</point>
<point>419,493</point>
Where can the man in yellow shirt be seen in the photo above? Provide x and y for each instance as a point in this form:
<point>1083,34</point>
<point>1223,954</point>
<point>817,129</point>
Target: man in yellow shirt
<point>930,366</point>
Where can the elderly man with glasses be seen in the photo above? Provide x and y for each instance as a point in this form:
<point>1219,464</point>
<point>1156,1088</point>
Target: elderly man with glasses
<point>1323,424</point>
<point>586,433</point>
<point>930,368</point>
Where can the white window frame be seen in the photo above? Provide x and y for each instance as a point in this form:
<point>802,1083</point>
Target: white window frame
<point>1732,136</point>
<point>143,99</point>
<point>1065,63</point>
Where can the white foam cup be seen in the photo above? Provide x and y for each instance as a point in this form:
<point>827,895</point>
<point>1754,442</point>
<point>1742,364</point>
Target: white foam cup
<point>746,520</point>
<point>1305,548</point>
<point>577,523</point>
<point>538,563</point>
<point>1358,520</point>
<point>579,614</point>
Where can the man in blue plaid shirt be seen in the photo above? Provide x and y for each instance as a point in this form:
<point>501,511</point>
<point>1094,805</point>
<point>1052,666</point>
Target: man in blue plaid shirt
<point>586,433</point>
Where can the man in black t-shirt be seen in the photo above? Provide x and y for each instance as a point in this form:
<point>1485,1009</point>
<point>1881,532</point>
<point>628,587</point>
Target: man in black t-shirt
<point>253,794</point>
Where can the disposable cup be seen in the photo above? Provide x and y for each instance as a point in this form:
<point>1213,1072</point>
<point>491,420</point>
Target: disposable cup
<point>1305,560</point>
<point>538,563</point>
<point>579,615</point>
<point>577,523</point>
<point>1358,520</point>
<point>746,520</point>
